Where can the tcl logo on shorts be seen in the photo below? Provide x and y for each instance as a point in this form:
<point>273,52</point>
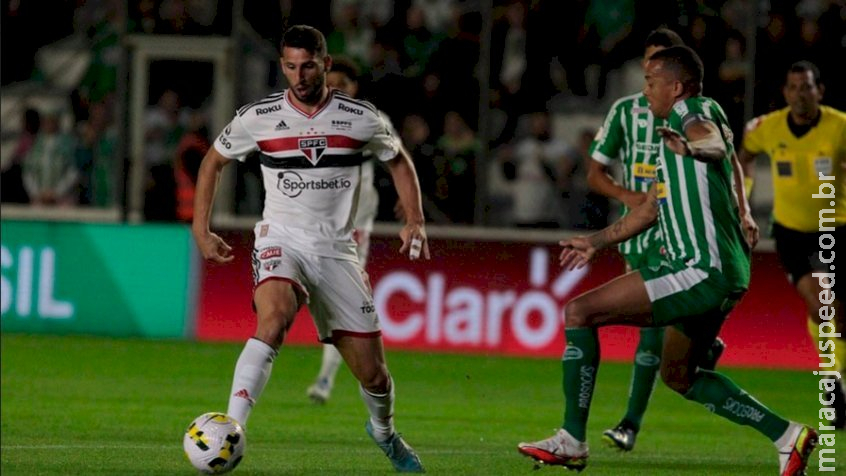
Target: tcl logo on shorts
<point>351,110</point>
<point>291,184</point>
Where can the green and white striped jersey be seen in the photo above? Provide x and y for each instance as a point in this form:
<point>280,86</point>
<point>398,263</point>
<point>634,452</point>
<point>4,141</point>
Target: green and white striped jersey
<point>698,212</point>
<point>628,135</point>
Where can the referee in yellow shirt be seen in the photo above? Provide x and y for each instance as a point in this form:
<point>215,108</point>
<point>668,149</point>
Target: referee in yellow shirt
<point>806,143</point>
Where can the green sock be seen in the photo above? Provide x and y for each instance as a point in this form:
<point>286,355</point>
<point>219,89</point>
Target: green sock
<point>646,366</point>
<point>580,364</point>
<point>723,397</point>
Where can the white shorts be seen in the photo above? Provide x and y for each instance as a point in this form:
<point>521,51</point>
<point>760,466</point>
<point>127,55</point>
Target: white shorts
<point>337,291</point>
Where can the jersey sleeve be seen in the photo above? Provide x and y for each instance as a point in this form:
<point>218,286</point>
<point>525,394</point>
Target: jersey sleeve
<point>688,112</point>
<point>235,142</point>
<point>384,144</point>
<point>609,140</point>
<point>753,137</point>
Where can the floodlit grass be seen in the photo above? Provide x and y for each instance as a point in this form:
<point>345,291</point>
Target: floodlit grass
<point>97,406</point>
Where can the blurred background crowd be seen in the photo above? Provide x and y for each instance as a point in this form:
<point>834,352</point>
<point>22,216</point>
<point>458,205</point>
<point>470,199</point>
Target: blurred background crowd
<point>497,101</point>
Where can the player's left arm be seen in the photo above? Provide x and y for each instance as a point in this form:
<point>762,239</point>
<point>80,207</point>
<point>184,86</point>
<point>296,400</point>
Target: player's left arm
<point>750,227</point>
<point>579,250</point>
<point>701,140</point>
<point>413,233</point>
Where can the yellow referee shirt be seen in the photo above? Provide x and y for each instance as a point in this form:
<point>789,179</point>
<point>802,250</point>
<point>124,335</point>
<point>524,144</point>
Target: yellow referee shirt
<point>796,164</point>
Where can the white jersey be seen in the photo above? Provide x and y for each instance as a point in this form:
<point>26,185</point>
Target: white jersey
<point>311,165</point>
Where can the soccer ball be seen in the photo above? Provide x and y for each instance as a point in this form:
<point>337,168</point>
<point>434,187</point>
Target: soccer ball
<point>214,443</point>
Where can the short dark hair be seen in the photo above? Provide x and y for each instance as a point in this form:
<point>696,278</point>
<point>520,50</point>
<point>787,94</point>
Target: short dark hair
<point>685,63</point>
<point>345,66</point>
<point>305,37</point>
<point>804,67</point>
<point>663,37</point>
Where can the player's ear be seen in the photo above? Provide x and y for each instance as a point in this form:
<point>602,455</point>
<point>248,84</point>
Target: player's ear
<point>678,88</point>
<point>327,63</point>
<point>821,87</point>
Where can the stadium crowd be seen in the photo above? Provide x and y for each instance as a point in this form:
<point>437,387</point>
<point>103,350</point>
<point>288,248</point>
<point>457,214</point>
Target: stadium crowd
<point>421,62</point>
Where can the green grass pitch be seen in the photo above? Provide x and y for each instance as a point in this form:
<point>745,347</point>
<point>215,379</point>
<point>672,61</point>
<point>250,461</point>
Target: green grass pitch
<point>98,406</point>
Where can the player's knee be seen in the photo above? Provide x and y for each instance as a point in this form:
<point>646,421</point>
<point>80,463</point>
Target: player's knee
<point>574,314</point>
<point>273,324</point>
<point>377,382</point>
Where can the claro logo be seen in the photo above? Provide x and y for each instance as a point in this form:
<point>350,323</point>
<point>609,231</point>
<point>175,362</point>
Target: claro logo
<point>292,184</point>
<point>464,315</point>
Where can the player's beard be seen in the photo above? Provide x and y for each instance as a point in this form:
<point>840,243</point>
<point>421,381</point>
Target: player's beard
<point>313,93</point>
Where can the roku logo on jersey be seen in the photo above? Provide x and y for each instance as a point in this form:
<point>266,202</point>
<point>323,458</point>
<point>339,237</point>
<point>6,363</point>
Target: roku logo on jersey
<point>267,110</point>
<point>351,110</point>
<point>292,184</point>
<point>475,315</point>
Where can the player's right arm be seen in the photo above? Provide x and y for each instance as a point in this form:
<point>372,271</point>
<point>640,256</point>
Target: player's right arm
<point>233,143</point>
<point>601,182</point>
<point>579,250</point>
<point>604,149</point>
<point>212,246</point>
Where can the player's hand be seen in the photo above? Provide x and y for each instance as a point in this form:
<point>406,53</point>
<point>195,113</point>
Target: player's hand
<point>414,241</point>
<point>633,199</point>
<point>576,254</point>
<point>750,229</point>
<point>213,248</point>
<point>674,140</point>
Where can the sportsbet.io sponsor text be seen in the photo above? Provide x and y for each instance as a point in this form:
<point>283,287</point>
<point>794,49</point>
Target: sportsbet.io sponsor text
<point>827,331</point>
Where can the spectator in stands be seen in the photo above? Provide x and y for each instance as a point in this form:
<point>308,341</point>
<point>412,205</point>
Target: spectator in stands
<point>593,208</point>
<point>455,169</point>
<point>438,15</point>
<point>12,175</point>
<point>352,36</point>
<point>608,25</point>
<point>103,23</point>
<point>163,129</point>
<point>417,137</point>
<point>418,43</point>
<point>96,157</point>
<point>49,172</point>
<point>538,158</point>
<point>731,93</point>
<point>190,151</point>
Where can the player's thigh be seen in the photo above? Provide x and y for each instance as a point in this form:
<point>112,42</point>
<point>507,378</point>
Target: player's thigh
<point>276,302</point>
<point>623,300</point>
<point>279,284</point>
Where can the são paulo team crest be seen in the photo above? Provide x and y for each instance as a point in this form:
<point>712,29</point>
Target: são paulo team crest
<point>312,147</point>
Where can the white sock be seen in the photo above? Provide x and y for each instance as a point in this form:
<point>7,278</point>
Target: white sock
<point>784,442</point>
<point>251,373</point>
<point>381,408</point>
<point>331,362</point>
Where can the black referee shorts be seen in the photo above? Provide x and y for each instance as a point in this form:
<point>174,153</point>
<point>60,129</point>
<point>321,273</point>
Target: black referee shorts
<point>799,254</point>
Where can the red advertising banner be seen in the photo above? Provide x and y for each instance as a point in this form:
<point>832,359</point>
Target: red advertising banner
<point>505,298</point>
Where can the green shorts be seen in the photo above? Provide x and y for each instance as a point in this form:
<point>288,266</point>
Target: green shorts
<point>693,300</point>
<point>651,258</point>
